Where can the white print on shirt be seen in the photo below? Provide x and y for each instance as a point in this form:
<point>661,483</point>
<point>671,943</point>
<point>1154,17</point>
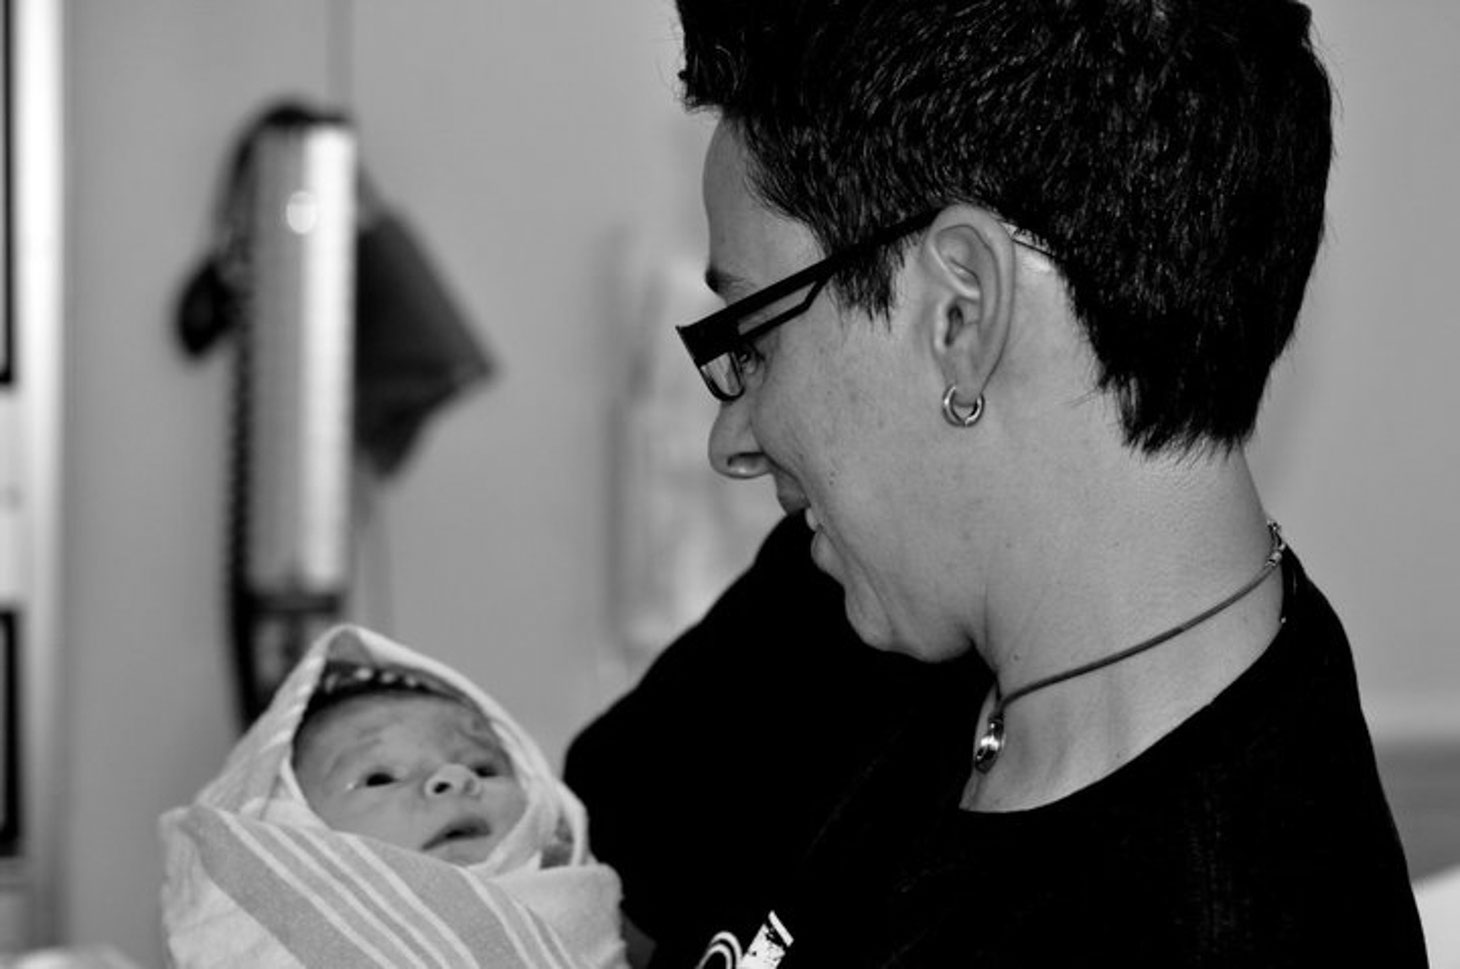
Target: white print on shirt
<point>766,950</point>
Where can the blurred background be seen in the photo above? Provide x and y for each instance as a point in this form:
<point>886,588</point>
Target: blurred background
<point>539,153</point>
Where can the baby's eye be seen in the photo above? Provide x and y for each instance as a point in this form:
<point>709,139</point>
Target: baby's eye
<point>486,769</point>
<point>377,778</point>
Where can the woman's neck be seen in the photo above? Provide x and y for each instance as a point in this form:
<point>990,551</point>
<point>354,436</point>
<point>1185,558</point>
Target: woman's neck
<point>1120,559</point>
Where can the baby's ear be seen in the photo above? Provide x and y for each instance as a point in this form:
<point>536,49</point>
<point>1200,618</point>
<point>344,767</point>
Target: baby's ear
<point>347,646</point>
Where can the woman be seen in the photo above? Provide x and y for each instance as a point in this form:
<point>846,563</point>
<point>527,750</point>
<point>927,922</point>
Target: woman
<point>1004,284</point>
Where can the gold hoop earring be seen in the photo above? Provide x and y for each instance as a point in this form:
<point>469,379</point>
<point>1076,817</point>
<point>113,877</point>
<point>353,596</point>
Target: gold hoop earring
<point>950,409</point>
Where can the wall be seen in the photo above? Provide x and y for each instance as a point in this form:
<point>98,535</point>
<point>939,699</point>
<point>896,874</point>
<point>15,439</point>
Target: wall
<point>155,91</point>
<point>1358,450</point>
<point>534,144</point>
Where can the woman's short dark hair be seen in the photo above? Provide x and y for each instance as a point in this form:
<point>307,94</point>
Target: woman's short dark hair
<point>1172,154</point>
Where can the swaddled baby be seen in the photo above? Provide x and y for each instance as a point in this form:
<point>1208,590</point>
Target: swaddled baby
<point>385,811</point>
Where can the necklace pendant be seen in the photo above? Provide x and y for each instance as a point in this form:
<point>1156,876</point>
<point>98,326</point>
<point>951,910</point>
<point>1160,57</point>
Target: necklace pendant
<point>987,750</point>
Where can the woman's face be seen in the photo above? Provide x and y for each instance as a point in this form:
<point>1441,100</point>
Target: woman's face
<point>838,411</point>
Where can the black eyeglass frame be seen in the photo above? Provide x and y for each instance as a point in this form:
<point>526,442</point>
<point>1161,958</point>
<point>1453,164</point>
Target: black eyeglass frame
<point>713,336</point>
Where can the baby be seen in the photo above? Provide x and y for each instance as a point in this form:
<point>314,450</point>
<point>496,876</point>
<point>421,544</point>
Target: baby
<point>382,807</point>
<point>382,753</point>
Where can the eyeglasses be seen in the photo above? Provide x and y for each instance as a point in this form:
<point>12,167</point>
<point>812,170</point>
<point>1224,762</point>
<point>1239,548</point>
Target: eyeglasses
<point>723,351</point>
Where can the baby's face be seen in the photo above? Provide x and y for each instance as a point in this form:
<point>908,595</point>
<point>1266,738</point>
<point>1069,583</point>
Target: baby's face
<point>420,772</point>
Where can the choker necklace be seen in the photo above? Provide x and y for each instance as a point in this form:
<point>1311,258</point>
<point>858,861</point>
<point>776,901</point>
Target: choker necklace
<point>991,744</point>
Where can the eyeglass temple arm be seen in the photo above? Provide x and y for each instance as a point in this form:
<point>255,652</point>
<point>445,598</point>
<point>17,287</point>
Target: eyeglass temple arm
<point>708,338</point>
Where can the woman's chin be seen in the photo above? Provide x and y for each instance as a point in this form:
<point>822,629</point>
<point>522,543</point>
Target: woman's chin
<point>863,609</point>
<point>824,555</point>
<point>875,628</point>
<point>869,624</point>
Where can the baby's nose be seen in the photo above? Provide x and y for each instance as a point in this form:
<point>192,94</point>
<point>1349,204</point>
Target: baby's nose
<point>452,779</point>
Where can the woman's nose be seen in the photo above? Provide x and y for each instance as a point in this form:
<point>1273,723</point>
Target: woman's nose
<point>449,779</point>
<point>734,450</point>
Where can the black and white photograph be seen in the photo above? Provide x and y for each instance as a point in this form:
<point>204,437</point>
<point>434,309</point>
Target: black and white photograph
<point>730,484</point>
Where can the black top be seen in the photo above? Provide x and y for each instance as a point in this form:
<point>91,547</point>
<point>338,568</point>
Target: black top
<point>706,783</point>
<point>1254,834</point>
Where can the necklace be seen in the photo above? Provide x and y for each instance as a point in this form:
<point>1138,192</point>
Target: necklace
<point>991,744</point>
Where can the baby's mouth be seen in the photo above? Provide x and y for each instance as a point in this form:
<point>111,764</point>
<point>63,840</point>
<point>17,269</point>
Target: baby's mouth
<point>462,829</point>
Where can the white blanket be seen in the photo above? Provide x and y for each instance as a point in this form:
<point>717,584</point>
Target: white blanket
<point>255,878</point>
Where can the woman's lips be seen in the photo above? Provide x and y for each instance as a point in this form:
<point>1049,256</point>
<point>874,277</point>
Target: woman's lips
<point>792,502</point>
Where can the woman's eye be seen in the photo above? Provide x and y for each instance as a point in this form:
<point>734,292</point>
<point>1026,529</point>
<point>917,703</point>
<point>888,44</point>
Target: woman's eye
<point>746,358</point>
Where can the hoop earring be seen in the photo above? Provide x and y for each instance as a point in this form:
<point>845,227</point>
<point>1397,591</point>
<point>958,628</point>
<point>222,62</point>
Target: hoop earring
<point>950,409</point>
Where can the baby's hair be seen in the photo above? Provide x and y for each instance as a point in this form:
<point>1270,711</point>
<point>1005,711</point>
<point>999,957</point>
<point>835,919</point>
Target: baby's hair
<point>344,681</point>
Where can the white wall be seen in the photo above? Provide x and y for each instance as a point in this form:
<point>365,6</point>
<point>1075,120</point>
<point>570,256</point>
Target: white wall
<point>1359,448</point>
<point>530,143</point>
<point>155,92</point>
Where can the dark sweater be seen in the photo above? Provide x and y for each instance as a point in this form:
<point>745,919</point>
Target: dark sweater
<point>708,780</point>
<point>1254,834</point>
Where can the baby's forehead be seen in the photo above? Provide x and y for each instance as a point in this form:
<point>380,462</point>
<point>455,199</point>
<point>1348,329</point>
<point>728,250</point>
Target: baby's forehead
<point>438,717</point>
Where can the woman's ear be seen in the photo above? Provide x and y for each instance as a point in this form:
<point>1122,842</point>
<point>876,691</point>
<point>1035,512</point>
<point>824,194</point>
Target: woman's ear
<point>968,260</point>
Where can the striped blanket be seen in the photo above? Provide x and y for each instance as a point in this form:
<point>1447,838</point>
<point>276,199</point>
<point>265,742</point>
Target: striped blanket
<point>254,878</point>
